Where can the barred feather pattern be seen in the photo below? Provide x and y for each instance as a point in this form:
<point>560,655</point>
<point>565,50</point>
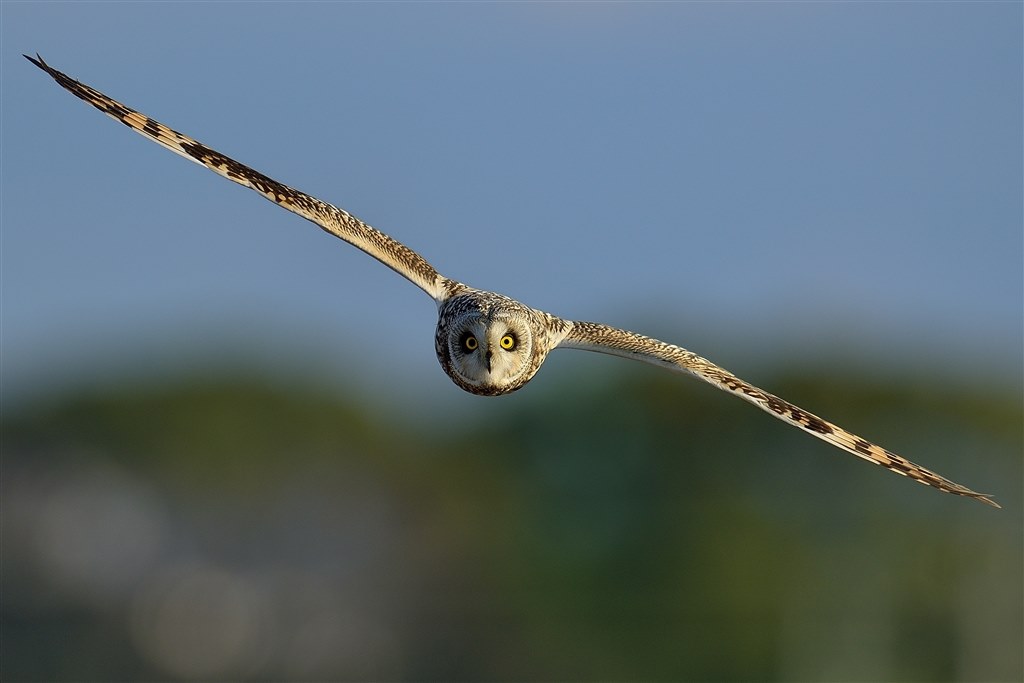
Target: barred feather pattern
<point>488,343</point>
<point>604,339</point>
<point>333,220</point>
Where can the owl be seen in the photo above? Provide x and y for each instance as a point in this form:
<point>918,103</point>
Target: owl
<point>488,343</point>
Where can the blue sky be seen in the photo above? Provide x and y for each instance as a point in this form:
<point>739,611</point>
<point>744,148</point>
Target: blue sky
<point>752,181</point>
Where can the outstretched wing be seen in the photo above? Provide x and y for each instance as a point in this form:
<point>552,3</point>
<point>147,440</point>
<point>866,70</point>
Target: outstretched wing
<point>610,340</point>
<point>339,223</point>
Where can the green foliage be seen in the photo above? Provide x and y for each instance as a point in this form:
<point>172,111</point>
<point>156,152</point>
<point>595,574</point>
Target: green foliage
<point>645,528</point>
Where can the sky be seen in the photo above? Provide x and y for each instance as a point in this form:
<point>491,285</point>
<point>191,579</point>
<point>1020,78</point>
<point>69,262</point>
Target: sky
<point>794,181</point>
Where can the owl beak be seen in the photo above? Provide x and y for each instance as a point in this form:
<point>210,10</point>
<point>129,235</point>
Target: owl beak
<point>487,360</point>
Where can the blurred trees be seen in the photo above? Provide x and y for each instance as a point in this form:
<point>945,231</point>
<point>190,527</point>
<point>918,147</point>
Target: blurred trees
<point>644,528</point>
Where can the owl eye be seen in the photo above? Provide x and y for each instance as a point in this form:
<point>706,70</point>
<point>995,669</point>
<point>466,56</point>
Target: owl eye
<point>470,343</point>
<point>508,342</point>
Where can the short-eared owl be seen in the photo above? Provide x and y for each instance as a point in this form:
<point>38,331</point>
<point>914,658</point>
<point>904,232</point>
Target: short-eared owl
<point>487,343</point>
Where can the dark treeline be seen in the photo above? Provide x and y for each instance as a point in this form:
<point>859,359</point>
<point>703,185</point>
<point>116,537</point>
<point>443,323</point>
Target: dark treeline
<point>643,529</point>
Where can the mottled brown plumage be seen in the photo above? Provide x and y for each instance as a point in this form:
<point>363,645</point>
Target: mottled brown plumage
<point>487,343</point>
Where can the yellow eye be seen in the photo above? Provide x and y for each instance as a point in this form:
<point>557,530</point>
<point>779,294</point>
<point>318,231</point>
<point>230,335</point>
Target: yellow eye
<point>508,342</point>
<point>470,343</point>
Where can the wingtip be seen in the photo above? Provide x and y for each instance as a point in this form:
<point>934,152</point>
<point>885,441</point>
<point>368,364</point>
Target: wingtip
<point>38,61</point>
<point>984,498</point>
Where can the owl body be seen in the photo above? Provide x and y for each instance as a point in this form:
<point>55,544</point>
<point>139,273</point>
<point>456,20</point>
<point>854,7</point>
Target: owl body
<point>488,343</point>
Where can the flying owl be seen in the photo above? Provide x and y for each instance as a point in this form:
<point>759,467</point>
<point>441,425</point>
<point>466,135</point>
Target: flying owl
<point>487,343</point>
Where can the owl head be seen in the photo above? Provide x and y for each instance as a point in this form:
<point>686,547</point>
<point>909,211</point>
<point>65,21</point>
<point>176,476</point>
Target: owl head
<point>487,344</point>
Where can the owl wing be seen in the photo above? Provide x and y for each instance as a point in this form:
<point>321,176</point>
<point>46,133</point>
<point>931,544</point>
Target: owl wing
<point>604,339</point>
<point>337,222</point>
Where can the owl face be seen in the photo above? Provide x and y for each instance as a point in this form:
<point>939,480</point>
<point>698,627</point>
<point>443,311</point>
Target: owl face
<point>488,350</point>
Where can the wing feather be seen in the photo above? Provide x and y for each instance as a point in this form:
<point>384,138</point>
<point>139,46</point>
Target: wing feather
<point>604,339</point>
<point>333,220</point>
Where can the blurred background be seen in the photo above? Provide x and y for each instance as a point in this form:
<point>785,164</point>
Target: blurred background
<point>228,451</point>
